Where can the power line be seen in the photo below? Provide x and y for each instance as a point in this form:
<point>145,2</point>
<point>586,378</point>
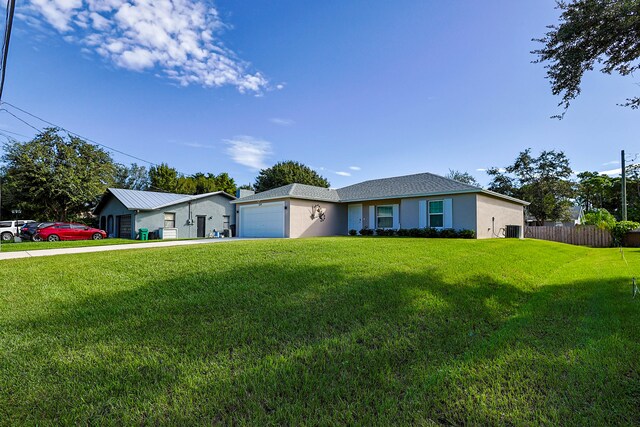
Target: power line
<point>23,121</point>
<point>68,131</point>
<point>13,133</point>
<point>11,5</point>
<point>77,135</point>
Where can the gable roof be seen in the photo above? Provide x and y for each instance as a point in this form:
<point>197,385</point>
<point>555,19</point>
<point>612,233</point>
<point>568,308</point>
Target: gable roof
<point>137,200</point>
<point>296,191</point>
<point>417,185</point>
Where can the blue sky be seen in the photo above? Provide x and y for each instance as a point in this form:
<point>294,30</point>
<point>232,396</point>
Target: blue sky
<point>357,90</point>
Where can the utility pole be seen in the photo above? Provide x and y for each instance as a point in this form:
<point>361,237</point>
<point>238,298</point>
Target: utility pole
<point>624,186</point>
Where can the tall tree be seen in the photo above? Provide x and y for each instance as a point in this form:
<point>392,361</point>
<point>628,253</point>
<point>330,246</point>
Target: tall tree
<point>289,172</point>
<point>225,183</point>
<point>59,177</point>
<point>131,177</point>
<point>7,196</point>
<point>594,190</point>
<point>163,178</point>
<point>591,32</point>
<point>544,181</point>
<point>463,177</point>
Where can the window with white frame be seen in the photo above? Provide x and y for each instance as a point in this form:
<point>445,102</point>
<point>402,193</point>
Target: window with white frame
<point>436,213</point>
<point>384,216</point>
<point>169,220</point>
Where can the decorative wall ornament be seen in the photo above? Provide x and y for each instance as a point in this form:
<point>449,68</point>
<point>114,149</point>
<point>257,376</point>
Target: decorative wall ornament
<point>318,212</point>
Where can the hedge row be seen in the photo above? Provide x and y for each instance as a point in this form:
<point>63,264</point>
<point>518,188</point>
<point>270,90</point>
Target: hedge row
<point>446,233</point>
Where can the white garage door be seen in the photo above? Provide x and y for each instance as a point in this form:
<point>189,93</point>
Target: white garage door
<point>266,220</point>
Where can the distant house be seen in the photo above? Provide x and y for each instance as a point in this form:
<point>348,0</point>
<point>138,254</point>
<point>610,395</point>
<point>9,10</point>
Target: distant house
<point>412,201</point>
<point>576,217</point>
<point>122,213</point>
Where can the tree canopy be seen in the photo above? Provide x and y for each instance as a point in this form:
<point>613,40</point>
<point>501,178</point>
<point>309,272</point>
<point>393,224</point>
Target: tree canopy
<point>162,177</point>
<point>288,172</point>
<point>596,191</point>
<point>131,177</point>
<point>591,32</point>
<point>55,176</point>
<point>463,177</point>
<point>165,178</point>
<point>543,181</point>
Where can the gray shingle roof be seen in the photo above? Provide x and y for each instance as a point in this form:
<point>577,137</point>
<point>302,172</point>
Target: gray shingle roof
<point>297,191</point>
<point>422,184</point>
<point>151,200</point>
<point>403,186</point>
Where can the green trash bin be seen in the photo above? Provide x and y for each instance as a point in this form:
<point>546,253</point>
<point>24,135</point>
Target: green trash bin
<point>144,234</point>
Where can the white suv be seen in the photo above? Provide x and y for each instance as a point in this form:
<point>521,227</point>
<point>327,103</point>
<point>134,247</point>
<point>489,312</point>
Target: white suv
<point>9,229</point>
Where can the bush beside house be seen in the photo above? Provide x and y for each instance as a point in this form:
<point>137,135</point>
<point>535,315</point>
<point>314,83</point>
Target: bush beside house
<point>446,233</point>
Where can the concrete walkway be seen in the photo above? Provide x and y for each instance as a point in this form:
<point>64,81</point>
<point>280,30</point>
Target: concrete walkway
<point>124,246</point>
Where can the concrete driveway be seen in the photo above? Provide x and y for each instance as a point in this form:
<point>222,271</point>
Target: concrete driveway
<point>125,246</point>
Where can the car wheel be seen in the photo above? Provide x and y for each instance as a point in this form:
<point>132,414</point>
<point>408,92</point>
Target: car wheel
<point>36,238</point>
<point>53,238</point>
<point>97,236</point>
<point>6,236</point>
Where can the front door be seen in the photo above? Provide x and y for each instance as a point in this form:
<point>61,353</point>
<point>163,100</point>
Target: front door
<point>202,225</point>
<point>355,217</point>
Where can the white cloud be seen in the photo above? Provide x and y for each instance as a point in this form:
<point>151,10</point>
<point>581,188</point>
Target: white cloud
<point>197,145</point>
<point>341,173</point>
<point>177,38</point>
<point>612,162</point>
<point>281,122</point>
<point>249,151</point>
<point>481,169</point>
<point>611,172</point>
<point>280,86</point>
<point>355,168</point>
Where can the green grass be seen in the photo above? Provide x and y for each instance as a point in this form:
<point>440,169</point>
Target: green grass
<point>34,246</point>
<point>323,331</point>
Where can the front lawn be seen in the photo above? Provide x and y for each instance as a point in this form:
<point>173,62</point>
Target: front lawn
<point>323,331</point>
<point>34,246</point>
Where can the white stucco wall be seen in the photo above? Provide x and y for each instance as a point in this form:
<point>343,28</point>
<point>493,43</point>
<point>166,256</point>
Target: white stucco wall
<point>302,225</point>
<point>495,214</point>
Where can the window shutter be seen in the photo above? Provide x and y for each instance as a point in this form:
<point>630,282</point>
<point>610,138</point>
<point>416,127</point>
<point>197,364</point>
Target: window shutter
<point>372,218</point>
<point>422,213</point>
<point>448,213</point>
<point>396,217</point>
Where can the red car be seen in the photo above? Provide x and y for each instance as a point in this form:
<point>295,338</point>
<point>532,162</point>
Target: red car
<point>66,231</point>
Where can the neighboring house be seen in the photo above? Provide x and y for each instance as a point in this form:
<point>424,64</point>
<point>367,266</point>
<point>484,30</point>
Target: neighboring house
<point>576,217</point>
<point>122,213</point>
<point>412,201</point>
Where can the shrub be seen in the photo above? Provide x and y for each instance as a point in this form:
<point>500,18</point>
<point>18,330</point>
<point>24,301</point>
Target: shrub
<point>431,232</point>
<point>385,232</point>
<point>467,234</point>
<point>404,232</point>
<point>600,218</point>
<point>448,233</point>
<point>352,232</point>
<point>413,232</point>
<point>366,232</point>
<point>620,229</point>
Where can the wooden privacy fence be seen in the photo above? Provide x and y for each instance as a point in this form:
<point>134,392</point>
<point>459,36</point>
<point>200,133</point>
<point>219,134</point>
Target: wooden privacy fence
<point>584,235</point>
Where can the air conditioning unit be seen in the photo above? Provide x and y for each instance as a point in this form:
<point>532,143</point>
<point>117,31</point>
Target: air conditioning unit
<point>513,232</point>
